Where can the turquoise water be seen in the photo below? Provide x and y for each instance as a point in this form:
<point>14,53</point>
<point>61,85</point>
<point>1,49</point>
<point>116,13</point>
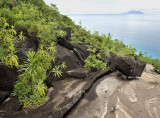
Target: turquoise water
<point>141,31</point>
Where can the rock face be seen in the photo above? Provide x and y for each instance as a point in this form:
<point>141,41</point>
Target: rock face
<point>127,66</point>
<point>78,73</point>
<point>3,96</point>
<point>7,78</point>
<point>65,43</point>
<point>111,97</point>
<point>10,106</point>
<point>68,56</point>
<point>65,95</point>
<point>83,48</point>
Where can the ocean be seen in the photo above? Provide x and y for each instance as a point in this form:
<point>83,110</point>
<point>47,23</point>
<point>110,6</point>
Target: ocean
<point>140,30</point>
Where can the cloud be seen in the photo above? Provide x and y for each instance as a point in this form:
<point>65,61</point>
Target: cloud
<point>102,6</point>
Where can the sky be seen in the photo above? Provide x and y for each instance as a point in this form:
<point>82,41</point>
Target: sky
<point>68,7</point>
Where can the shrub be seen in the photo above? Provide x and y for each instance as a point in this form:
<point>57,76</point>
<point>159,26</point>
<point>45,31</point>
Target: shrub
<point>93,61</point>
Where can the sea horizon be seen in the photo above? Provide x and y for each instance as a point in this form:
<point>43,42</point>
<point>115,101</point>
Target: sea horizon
<point>139,30</point>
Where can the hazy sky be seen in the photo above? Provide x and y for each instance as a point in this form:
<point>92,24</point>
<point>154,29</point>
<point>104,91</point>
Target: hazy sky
<point>105,6</point>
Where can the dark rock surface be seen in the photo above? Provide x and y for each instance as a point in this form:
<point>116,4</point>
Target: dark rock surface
<point>83,48</point>
<point>112,97</point>
<point>65,43</point>
<point>25,46</point>
<point>22,29</point>
<point>29,44</point>
<point>79,55</point>
<point>3,96</point>
<point>10,106</point>
<point>126,65</point>
<point>64,55</point>
<point>8,77</point>
<point>73,59</point>
<point>78,73</point>
<point>65,95</point>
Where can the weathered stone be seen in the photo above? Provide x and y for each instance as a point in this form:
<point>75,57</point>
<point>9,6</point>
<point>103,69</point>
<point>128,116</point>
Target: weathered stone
<point>139,68</point>
<point>110,97</point>
<point>78,73</point>
<point>8,76</point>
<point>127,66</point>
<point>64,96</point>
<point>79,55</point>
<point>65,43</point>
<point>63,54</point>
<point>83,48</point>
<point>10,106</point>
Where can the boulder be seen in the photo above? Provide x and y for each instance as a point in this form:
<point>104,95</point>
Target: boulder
<point>8,76</point>
<point>63,54</point>
<point>126,65</point>
<point>78,73</point>
<point>81,55</point>
<point>65,43</point>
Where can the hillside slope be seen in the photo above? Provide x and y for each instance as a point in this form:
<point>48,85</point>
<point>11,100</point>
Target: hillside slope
<point>48,63</point>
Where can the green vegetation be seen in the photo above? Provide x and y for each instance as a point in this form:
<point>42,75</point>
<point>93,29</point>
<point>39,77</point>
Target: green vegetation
<point>92,62</point>
<point>8,44</point>
<point>30,87</point>
<point>45,21</point>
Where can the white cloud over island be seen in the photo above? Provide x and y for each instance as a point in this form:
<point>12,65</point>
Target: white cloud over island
<point>105,6</point>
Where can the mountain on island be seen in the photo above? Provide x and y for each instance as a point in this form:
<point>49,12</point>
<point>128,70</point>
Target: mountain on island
<point>125,13</point>
<point>133,12</point>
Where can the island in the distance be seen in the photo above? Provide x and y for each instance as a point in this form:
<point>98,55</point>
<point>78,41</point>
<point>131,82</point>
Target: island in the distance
<point>133,12</point>
<point>125,13</point>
